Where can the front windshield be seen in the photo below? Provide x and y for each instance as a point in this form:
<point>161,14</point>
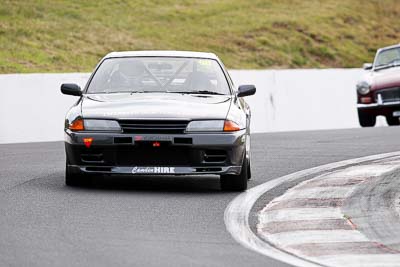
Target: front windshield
<point>388,57</point>
<point>159,74</point>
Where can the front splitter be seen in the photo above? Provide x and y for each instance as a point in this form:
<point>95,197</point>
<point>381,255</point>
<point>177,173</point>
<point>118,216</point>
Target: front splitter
<point>157,170</point>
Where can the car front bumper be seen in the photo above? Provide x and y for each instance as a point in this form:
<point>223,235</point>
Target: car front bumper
<point>132,154</point>
<point>385,109</point>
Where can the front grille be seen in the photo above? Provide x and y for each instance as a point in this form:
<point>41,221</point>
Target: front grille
<point>388,95</point>
<point>153,126</point>
<point>153,156</point>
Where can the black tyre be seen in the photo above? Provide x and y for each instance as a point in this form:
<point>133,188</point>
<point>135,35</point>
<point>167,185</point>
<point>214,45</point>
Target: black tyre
<point>392,120</point>
<point>236,182</point>
<point>248,157</point>
<point>366,120</point>
<point>249,170</point>
<point>75,179</point>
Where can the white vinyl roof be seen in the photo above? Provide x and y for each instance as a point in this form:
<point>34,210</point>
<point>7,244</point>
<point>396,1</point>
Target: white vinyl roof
<point>162,54</point>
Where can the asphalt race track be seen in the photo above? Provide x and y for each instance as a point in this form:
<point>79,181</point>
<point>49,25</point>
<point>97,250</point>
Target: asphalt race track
<point>149,221</point>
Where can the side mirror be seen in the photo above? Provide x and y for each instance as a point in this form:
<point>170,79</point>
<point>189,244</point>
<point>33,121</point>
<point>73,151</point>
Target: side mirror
<point>367,66</point>
<point>245,90</point>
<point>71,89</point>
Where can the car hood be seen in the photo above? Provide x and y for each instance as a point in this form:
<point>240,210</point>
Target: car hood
<point>155,105</point>
<point>385,78</point>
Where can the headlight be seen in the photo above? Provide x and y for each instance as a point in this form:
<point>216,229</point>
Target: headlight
<point>205,126</point>
<point>363,88</point>
<point>213,126</point>
<point>94,125</point>
<point>102,125</point>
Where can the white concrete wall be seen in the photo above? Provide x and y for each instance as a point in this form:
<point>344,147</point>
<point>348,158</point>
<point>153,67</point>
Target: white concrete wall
<point>311,99</point>
<point>32,107</point>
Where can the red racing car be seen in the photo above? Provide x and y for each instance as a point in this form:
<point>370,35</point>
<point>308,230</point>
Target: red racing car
<point>379,92</point>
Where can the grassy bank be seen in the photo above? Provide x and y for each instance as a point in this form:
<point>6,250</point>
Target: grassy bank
<point>71,36</point>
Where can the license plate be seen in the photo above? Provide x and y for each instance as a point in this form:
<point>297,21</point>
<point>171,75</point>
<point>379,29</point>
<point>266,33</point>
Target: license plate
<point>396,114</point>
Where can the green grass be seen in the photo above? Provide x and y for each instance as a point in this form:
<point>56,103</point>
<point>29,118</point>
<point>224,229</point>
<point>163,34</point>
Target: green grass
<point>71,36</point>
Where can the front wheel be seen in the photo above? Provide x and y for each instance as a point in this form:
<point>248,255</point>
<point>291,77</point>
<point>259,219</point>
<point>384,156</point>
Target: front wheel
<point>366,120</point>
<point>392,120</point>
<point>230,182</point>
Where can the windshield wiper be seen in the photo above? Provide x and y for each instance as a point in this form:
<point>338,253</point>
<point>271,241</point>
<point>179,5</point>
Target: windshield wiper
<point>202,92</point>
<point>387,66</point>
<point>111,92</point>
<point>144,92</point>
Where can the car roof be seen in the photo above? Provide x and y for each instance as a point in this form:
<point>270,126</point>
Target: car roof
<point>159,53</point>
<point>388,47</point>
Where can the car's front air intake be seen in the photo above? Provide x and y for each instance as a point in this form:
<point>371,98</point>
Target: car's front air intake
<point>215,156</point>
<point>153,126</point>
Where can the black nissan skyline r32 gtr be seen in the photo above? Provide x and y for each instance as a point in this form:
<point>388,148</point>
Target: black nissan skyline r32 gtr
<point>159,113</point>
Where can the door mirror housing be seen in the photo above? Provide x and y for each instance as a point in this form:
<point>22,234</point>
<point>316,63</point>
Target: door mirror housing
<point>246,90</point>
<point>71,89</point>
<point>367,66</point>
